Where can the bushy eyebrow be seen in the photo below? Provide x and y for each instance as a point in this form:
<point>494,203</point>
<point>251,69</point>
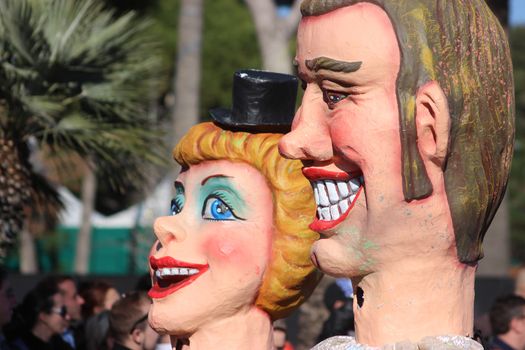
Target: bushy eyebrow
<point>327,63</point>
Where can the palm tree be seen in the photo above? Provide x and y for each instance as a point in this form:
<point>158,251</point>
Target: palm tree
<point>74,78</point>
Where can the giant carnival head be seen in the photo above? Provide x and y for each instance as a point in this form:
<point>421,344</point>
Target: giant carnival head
<point>406,125</point>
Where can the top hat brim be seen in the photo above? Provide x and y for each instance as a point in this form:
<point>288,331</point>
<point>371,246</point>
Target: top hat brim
<point>224,118</point>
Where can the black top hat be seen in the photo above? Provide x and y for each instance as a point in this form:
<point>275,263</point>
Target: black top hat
<point>262,102</point>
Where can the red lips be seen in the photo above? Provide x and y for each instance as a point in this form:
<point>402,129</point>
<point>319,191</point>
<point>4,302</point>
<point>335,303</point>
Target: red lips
<point>174,283</point>
<point>314,174</point>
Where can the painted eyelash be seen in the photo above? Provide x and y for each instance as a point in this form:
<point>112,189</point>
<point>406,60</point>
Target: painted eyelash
<point>223,198</point>
<point>178,201</point>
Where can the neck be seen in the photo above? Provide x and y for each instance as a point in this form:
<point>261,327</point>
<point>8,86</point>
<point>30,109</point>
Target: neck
<point>415,298</point>
<point>251,329</point>
<point>130,344</point>
<point>42,332</point>
<point>515,341</point>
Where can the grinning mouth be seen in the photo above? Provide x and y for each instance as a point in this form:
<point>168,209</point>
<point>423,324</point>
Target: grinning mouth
<point>169,275</point>
<point>335,197</point>
<point>335,193</point>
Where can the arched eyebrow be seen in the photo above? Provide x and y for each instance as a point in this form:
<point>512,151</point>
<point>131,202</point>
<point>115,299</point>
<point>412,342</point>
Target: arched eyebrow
<point>327,63</point>
<point>213,176</point>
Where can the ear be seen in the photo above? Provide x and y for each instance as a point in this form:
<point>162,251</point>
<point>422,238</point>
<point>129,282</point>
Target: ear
<point>137,336</point>
<point>432,123</point>
<point>42,317</point>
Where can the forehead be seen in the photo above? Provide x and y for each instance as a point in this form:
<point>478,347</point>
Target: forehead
<point>58,299</point>
<point>68,287</point>
<point>361,32</point>
<point>235,172</point>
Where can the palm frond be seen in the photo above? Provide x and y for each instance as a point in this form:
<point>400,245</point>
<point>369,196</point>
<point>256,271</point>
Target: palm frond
<point>78,78</point>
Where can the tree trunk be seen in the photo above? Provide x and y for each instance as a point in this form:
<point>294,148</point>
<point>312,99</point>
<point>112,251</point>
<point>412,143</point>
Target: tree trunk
<point>188,68</point>
<point>83,248</point>
<point>274,33</point>
<point>28,256</point>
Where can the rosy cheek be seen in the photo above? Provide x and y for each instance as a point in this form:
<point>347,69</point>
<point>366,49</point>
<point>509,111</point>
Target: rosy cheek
<point>231,253</point>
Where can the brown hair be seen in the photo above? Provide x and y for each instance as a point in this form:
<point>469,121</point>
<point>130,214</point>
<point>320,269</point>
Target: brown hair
<point>291,276</point>
<point>125,313</point>
<point>94,295</point>
<point>461,45</point>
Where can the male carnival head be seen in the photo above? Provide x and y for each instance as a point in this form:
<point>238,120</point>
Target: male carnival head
<point>406,131</point>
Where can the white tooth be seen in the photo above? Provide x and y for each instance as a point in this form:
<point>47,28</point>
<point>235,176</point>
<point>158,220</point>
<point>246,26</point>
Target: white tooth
<point>183,271</point>
<point>164,271</point>
<point>343,205</point>
<point>325,214</point>
<point>174,271</point>
<point>319,214</point>
<point>193,271</point>
<point>352,197</point>
<point>343,189</point>
<point>354,185</point>
<point>332,191</point>
<point>334,212</point>
<point>157,273</point>
<point>316,194</point>
<point>323,196</point>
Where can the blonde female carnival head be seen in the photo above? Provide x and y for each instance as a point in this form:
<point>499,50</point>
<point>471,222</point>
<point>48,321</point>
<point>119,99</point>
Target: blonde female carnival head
<point>291,276</point>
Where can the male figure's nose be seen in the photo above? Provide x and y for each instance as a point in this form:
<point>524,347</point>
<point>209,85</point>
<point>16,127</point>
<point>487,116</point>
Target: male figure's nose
<point>309,138</point>
<point>167,228</point>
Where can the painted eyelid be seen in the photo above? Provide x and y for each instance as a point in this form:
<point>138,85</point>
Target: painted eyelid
<point>218,194</point>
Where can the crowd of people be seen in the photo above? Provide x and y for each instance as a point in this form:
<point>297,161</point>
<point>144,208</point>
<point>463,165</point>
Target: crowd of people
<point>56,314</point>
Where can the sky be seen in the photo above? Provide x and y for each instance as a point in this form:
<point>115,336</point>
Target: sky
<point>517,12</point>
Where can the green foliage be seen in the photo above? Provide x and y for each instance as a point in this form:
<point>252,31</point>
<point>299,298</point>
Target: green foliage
<point>517,179</point>
<point>78,78</point>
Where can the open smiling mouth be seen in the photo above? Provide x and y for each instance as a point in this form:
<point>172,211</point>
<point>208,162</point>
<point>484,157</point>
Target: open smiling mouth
<point>170,275</point>
<point>335,195</point>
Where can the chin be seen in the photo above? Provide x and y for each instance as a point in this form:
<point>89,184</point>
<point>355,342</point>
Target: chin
<point>337,260</point>
<point>165,320</point>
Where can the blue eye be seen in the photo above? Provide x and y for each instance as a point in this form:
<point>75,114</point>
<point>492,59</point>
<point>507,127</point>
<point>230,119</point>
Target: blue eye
<point>176,206</point>
<point>215,209</point>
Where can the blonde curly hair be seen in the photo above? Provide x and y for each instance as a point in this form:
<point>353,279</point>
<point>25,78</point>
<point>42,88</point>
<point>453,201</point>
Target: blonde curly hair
<point>291,276</point>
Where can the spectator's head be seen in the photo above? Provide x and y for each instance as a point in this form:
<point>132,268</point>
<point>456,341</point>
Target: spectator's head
<point>507,316</point>
<point>128,322</point>
<point>7,299</point>
<point>68,288</point>
<point>43,311</point>
<point>279,334</point>
<point>98,296</point>
<point>97,328</point>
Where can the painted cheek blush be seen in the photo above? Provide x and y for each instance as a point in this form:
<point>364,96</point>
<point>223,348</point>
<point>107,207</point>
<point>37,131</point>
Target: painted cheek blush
<point>228,250</point>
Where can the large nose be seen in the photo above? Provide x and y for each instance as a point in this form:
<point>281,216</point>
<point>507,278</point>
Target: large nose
<point>310,137</point>
<point>167,229</point>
